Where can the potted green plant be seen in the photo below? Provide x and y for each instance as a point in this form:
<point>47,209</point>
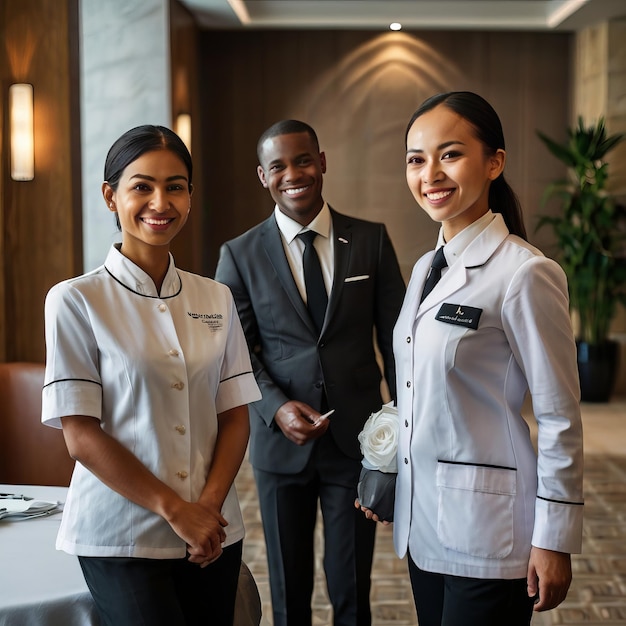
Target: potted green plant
<point>590,235</point>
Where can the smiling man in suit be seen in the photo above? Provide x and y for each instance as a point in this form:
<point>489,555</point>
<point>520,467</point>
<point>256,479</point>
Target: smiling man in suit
<point>312,352</point>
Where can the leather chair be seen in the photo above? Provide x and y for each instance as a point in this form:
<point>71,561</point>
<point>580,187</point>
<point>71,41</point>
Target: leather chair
<point>30,453</point>
<point>248,608</point>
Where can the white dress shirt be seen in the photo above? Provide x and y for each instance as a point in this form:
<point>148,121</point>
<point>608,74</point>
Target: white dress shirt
<point>155,369</point>
<point>289,229</point>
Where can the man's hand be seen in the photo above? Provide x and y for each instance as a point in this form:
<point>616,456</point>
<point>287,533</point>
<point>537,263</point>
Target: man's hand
<point>550,575</point>
<point>299,422</point>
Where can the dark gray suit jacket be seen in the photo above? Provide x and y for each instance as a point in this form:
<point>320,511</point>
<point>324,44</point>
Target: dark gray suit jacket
<point>290,361</point>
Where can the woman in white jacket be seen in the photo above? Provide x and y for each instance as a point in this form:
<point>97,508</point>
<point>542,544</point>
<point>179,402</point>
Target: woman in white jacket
<point>488,523</point>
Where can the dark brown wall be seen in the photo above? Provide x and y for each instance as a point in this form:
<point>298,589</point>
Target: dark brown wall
<point>189,246</point>
<point>358,90</point>
<point>40,220</point>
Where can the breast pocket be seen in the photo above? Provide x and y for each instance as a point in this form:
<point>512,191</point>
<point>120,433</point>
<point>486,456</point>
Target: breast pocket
<point>475,509</point>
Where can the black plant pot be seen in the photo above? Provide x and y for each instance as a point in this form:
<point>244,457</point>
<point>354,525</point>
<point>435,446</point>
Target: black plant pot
<point>597,368</point>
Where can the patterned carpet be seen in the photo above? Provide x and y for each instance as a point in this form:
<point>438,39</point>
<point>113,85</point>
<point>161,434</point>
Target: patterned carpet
<point>597,595</point>
<point>598,591</point>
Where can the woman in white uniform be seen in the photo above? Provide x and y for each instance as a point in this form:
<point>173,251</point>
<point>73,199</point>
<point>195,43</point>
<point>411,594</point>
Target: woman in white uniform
<point>488,524</point>
<point>148,373</point>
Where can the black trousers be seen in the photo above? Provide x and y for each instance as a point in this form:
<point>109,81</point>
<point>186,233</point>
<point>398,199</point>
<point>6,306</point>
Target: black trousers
<point>164,592</point>
<point>289,505</point>
<point>443,600</point>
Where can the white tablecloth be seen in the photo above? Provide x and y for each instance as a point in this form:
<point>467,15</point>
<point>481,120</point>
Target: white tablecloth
<point>39,585</point>
<point>42,586</point>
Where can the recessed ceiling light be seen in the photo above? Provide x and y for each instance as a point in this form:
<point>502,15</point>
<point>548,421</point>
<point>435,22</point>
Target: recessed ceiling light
<point>395,26</point>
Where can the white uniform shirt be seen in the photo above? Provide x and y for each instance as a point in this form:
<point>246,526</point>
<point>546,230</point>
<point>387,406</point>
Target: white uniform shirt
<point>471,494</point>
<point>155,369</point>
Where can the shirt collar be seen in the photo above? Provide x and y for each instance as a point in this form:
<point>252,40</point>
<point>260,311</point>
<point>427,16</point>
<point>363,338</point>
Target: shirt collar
<point>135,279</point>
<point>290,229</point>
<point>454,249</point>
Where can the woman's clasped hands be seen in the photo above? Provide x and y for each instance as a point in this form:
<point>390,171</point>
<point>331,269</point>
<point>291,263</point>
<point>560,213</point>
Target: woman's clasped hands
<point>201,526</point>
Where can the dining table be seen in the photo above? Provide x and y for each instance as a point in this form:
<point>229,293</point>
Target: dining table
<point>43,586</point>
<point>40,585</point>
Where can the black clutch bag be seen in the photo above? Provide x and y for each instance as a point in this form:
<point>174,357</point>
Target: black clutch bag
<point>377,492</point>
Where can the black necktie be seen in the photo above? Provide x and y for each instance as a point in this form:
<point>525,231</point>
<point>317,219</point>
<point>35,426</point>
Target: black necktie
<point>316,295</point>
<point>438,263</point>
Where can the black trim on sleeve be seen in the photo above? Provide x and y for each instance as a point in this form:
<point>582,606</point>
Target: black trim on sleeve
<point>65,380</point>
<point>236,376</point>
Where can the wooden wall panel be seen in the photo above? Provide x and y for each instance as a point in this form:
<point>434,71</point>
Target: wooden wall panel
<point>40,219</point>
<point>188,247</point>
<point>358,90</point>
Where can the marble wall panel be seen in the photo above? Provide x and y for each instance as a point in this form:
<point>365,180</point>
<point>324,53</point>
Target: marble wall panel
<point>125,82</point>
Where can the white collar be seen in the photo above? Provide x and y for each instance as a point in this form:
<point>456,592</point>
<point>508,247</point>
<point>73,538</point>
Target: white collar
<point>457,245</point>
<point>290,229</point>
<point>135,279</point>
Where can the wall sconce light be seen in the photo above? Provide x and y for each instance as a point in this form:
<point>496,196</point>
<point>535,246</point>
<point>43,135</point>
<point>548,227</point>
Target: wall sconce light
<point>21,129</point>
<point>183,128</point>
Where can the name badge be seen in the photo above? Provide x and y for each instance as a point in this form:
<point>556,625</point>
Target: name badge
<point>460,315</point>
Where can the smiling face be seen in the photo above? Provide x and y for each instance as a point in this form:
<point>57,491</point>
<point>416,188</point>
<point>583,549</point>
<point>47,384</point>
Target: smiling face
<point>449,170</point>
<point>292,169</point>
<point>152,201</point>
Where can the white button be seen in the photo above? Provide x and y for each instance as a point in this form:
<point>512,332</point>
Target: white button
<point>179,385</point>
<point>408,340</point>
<point>181,429</point>
<point>182,475</point>
<point>173,352</point>
<point>162,308</point>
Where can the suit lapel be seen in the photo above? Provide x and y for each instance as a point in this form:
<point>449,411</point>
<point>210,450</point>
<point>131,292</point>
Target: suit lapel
<point>342,248</point>
<point>273,245</point>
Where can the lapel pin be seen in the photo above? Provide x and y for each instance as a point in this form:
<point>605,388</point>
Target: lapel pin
<point>342,240</point>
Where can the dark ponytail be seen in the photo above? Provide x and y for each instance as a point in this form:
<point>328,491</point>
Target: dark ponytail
<point>502,199</point>
<point>486,123</point>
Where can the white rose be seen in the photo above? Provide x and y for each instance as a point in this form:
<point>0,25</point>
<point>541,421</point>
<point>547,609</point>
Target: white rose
<point>379,440</point>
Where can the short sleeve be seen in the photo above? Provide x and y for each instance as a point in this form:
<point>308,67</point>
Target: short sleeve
<point>72,381</point>
<point>237,382</point>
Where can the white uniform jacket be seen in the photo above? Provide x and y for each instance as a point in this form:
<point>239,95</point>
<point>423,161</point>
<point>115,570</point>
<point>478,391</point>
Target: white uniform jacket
<point>471,493</point>
<point>155,369</point>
